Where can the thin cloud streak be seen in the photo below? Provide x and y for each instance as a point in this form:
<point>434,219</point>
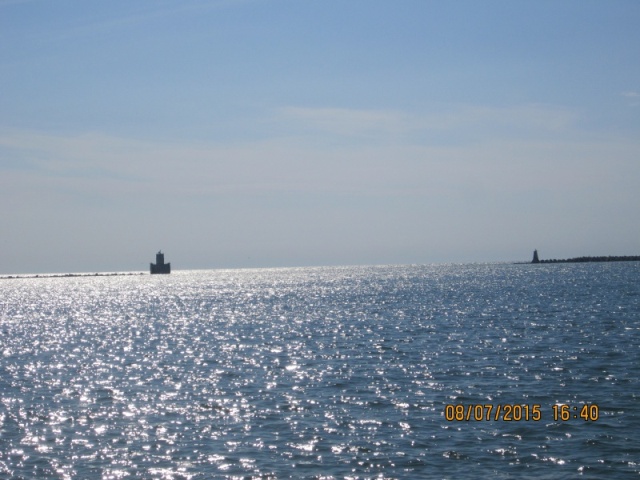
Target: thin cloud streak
<point>344,121</point>
<point>634,97</point>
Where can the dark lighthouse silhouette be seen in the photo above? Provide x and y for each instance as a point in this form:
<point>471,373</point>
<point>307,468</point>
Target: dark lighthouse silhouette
<point>535,257</point>
<point>160,266</point>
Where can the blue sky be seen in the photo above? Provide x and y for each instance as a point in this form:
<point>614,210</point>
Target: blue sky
<point>259,133</point>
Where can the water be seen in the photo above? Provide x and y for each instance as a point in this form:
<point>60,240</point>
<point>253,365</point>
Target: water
<point>321,373</point>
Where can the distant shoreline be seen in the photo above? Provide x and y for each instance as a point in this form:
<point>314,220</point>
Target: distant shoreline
<point>70,275</point>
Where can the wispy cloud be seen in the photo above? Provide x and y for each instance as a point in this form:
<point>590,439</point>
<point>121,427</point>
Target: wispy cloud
<point>462,123</point>
<point>634,98</point>
<point>349,121</point>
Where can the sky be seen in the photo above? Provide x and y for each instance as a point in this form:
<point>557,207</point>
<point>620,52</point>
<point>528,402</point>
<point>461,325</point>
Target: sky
<point>274,133</point>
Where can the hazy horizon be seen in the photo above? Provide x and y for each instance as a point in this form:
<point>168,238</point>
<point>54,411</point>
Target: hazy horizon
<point>176,269</point>
<point>252,133</point>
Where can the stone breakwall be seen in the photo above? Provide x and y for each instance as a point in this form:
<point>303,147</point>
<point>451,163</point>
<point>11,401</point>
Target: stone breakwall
<point>627,258</point>
<point>71,275</point>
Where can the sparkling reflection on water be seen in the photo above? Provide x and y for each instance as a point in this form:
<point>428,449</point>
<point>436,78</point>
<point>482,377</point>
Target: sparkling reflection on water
<point>320,372</point>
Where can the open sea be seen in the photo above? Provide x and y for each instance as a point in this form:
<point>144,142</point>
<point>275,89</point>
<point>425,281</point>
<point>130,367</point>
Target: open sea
<point>407,372</point>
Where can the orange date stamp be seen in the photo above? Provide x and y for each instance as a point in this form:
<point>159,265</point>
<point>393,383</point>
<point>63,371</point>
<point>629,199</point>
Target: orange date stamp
<point>489,411</point>
<point>518,412</point>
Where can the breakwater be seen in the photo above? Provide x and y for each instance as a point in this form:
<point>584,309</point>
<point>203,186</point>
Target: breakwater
<point>625,258</point>
<point>71,275</point>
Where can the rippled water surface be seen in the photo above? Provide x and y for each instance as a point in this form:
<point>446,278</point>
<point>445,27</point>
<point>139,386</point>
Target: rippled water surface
<point>321,373</point>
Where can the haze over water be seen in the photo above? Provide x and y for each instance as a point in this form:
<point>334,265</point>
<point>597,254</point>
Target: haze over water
<point>340,372</point>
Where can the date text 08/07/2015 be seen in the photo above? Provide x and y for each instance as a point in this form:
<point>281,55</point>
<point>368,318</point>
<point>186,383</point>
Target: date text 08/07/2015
<point>518,412</point>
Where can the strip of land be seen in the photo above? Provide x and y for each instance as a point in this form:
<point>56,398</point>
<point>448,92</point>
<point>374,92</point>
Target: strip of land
<point>626,258</point>
<point>72,275</point>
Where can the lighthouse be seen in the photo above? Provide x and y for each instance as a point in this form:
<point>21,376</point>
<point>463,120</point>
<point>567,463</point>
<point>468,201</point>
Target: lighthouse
<point>160,266</point>
<point>535,257</point>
